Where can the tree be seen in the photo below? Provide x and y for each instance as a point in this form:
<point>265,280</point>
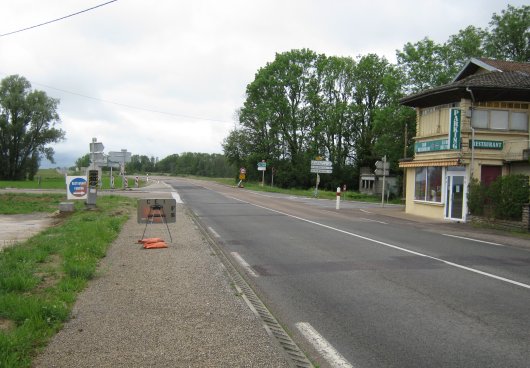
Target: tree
<point>27,125</point>
<point>83,161</point>
<point>509,37</point>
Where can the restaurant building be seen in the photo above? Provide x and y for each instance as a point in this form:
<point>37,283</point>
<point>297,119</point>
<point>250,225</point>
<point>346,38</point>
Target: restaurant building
<point>474,127</point>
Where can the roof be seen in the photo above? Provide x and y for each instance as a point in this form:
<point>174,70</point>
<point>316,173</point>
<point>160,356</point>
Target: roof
<point>498,80</point>
<point>491,65</point>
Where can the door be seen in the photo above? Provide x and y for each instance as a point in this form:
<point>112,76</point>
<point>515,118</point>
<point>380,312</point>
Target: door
<point>454,206</point>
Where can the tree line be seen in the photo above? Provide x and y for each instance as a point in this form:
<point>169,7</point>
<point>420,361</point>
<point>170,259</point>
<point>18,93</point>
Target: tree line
<point>304,105</point>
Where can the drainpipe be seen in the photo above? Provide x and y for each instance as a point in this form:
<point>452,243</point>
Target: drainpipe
<point>472,171</point>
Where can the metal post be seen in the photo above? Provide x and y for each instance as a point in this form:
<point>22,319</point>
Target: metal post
<point>472,170</point>
<point>383,191</point>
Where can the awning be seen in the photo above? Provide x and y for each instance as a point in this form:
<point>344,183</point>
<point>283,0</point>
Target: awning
<point>424,163</point>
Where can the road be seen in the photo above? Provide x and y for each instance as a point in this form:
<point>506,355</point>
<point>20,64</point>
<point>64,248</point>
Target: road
<point>357,289</point>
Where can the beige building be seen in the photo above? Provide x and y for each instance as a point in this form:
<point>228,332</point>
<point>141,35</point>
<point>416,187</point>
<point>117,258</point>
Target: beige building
<point>476,126</point>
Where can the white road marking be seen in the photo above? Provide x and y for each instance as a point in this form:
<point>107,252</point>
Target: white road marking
<point>244,263</point>
<point>367,219</point>
<point>513,282</point>
<point>176,196</point>
<point>334,358</point>
<point>365,211</point>
<point>214,232</point>
<point>475,240</point>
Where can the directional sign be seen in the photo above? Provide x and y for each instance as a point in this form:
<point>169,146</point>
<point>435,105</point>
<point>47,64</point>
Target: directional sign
<point>382,165</point>
<point>262,166</point>
<point>122,156</point>
<point>96,147</point>
<point>381,172</point>
<point>321,167</point>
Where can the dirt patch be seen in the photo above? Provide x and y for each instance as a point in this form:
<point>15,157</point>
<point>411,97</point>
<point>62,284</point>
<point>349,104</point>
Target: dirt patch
<point>7,325</point>
<point>17,228</point>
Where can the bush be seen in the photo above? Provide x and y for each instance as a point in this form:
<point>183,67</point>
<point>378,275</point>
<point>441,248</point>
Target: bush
<point>504,198</point>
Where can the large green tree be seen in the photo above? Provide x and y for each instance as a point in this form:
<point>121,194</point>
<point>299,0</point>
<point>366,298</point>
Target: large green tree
<point>28,120</point>
<point>509,37</point>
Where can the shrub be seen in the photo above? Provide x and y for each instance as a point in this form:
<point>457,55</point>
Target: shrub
<point>504,198</point>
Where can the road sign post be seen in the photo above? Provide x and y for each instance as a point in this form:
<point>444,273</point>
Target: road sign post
<point>262,166</point>
<point>320,167</point>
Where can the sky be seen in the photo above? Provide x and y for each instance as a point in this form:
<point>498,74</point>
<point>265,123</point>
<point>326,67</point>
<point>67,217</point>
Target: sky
<point>165,77</point>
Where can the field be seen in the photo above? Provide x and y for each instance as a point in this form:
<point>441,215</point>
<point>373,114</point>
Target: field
<point>51,179</point>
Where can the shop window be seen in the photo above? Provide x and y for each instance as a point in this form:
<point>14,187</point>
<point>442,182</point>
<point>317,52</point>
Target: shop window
<point>428,184</point>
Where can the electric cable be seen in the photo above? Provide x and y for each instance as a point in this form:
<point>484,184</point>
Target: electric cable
<point>58,19</point>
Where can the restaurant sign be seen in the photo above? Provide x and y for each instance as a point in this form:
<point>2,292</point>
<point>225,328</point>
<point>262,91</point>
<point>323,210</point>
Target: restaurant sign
<point>482,144</point>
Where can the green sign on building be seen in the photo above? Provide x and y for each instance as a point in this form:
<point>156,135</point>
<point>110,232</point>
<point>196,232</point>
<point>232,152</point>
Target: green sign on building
<point>454,129</point>
<point>431,146</point>
<point>482,144</point>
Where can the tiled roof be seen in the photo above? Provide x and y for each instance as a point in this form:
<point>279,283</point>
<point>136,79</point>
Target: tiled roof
<point>507,66</point>
<point>513,85</point>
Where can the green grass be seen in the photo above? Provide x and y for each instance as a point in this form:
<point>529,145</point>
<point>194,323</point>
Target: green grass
<point>17,203</point>
<point>40,278</point>
<point>51,179</point>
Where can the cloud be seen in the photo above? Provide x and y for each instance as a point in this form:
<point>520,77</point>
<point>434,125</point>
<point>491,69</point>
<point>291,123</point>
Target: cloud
<point>191,61</point>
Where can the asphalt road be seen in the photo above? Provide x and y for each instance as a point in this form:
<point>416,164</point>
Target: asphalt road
<point>379,292</point>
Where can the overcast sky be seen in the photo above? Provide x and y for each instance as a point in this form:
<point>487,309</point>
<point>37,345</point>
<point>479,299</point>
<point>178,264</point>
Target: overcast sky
<point>185,64</point>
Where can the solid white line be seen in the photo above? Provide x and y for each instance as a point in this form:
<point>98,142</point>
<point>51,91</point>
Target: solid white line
<point>213,232</point>
<point>176,196</point>
<point>526,286</point>
<point>475,240</point>
<point>243,263</point>
<point>334,358</point>
<point>381,222</point>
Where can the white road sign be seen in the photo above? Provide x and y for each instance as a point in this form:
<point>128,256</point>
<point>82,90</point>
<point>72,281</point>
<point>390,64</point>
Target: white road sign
<point>321,167</point>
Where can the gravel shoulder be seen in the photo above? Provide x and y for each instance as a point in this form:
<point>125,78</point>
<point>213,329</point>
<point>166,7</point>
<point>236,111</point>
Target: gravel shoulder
<point>172,307</point>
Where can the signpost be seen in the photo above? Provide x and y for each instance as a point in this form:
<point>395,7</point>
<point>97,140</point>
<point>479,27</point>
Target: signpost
<point>97,160</point>
<point>121,158</point>
<point>382,169</point>
<point>157,211</point>
<point>262,166</point>
<point>320,167</point>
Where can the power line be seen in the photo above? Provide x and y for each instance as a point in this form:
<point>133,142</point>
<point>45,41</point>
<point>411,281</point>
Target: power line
<point>58,19</point>
<point>130,106</point>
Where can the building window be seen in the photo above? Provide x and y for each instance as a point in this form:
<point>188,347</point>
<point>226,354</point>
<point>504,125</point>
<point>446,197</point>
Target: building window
<point>428,184</point>
<point>499,120</point>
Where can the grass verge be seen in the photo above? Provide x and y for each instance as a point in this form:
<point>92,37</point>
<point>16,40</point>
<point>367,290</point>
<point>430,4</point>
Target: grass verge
<point>41,277</point>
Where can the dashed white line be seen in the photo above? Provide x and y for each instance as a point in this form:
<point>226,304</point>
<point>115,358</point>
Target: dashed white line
<point>244,263</point>
<point>367,219</point>
<point>214,232</point>
<point>509,281</point>
<point>334,358</point>
<point>475,240</point>
<point>365,211</point>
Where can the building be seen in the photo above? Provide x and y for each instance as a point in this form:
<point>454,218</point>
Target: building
<point>476,126</point>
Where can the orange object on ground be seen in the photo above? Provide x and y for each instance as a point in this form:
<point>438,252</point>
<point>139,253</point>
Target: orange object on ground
<point>155,245</point>
<point>150,240</point>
